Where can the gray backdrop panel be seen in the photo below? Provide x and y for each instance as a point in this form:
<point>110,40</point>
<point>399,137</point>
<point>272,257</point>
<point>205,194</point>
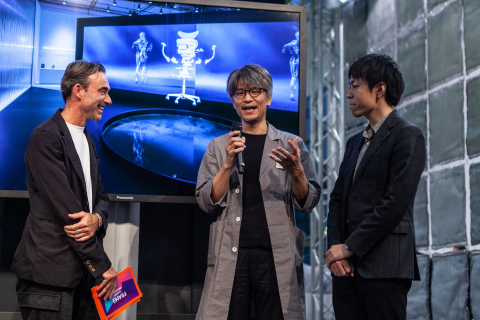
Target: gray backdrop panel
<point>450,286</point>
<point>418,304</point>
<point>475,284</point>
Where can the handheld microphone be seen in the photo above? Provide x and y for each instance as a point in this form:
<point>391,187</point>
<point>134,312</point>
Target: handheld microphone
<point>237,126</point>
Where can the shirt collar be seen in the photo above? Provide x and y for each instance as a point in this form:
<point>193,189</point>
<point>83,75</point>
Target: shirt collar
<point>369,131</point>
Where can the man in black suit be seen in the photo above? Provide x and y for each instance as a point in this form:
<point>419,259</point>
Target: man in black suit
<point>61,251</point>
<point>371,237</point>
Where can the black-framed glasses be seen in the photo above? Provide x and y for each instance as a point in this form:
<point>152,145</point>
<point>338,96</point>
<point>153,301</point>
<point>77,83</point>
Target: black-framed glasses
<point>254,92</point>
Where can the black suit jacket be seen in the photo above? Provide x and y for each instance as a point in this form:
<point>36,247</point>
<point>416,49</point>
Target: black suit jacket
<point>373,212</point>
<point>56,187</point>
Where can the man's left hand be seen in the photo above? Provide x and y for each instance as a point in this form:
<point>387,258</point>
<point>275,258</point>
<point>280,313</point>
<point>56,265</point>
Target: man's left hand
<point>290,161</point>
<point>106,289</point>
<point>342,268</point>
<point>85,228</point>
<point>337,252</point>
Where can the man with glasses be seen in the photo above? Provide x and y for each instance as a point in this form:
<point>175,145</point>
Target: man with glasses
<point>255,250</point>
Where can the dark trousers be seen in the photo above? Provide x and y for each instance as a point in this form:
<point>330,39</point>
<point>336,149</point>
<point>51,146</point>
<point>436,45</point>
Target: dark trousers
<point>360,298</point>
<point>41,302</point>
<point>255,289</point>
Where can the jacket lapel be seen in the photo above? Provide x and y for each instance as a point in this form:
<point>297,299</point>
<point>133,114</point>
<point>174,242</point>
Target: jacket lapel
<point>70,147</point>
<point>271,142</point>
<point>376,142</point>
<point>93,165</point>
<point>352,161</point>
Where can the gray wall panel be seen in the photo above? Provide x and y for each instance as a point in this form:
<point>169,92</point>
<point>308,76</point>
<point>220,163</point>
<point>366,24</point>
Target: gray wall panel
<point>432,3</point>
<point>448,207</point>
<point>475,203</point>
<point>386,49</point>
<point>417,114</point>
<point>411,60</point>
<point>407,11</point>
<point>446,124</point>
<point>355,39</point>
<point>418,303</point>
<point>472,34</point>
<point>421,215</point>
<point>444,44</point>
<point>379,22</point>
<point>355,47</point>
<point>450,287</point>
<point>475,284</point>
<point>473,118</point>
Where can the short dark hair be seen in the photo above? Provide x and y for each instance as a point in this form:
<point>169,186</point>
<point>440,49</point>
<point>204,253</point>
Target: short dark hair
<point>78,72</point>
<point>375,68</point>
<point>252,75</point>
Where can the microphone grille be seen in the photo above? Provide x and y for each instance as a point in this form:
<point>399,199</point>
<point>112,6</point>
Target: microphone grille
<point>237,126</point>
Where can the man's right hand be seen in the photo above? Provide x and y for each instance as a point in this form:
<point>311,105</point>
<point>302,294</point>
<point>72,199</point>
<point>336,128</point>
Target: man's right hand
<point>342,268</point>
<point>85,228</point>
<point>234,145</point>
<point>220,182</point>
<point>107,288</point>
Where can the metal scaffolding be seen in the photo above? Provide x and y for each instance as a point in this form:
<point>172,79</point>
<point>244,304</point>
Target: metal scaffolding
<point>325,40</point>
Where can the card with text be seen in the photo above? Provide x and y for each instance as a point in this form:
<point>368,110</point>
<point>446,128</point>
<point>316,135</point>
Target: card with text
<point>126,293</point>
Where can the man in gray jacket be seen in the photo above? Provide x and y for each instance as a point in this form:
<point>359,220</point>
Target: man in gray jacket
<point>255,250</point>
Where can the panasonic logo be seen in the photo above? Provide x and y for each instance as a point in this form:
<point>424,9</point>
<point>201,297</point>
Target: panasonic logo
<point>124,198</point>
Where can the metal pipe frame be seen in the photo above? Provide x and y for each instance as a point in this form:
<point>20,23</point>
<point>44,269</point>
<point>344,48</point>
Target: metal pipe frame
<point>326,134</point>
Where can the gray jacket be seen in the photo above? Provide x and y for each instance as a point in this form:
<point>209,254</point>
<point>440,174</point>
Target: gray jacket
<point>287,240</point>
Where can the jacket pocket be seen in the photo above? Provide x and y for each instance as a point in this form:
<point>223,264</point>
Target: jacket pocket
<point>298,236</point>
<point>39,301</point>
<point>213,245</point>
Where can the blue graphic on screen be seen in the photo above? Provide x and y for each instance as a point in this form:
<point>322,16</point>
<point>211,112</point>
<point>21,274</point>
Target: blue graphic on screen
<point>142,46</point>
<point>149,145</point>
<point>187,47</point>
<point>192,61</point>
<point>167,144</point>
<point>293,47</point>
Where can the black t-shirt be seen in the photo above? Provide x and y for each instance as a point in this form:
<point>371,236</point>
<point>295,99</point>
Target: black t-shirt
<point>254,228</point>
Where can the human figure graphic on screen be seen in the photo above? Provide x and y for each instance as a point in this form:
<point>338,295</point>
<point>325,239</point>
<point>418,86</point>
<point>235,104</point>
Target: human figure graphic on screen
<point>60,256</point>
<point>371,235</point>
<point>293,48</point>
<point>138,148</point>
<point>186,47</point>
<point>142,46</point>
<point>255,263</point>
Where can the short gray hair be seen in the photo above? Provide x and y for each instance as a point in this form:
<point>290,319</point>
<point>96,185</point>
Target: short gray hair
<point>78,72</point>
<point>252,75</point>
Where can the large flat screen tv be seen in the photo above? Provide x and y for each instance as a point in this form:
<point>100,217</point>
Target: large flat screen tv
<point>168,75</point>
